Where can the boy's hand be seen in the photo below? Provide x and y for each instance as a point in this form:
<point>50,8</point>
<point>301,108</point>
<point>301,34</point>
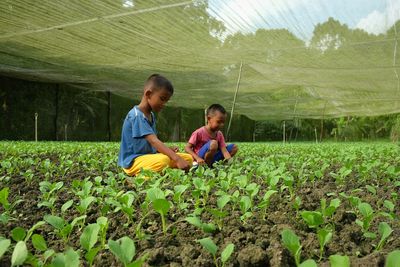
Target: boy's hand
<point>200,161</point>
<point>174,148</point>
<point>182,164</point>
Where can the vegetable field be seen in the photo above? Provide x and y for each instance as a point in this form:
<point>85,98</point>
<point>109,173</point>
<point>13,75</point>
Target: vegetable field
<point>68,204</point>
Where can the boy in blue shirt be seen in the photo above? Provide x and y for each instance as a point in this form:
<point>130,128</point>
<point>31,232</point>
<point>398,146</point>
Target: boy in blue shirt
<point>139,142</point>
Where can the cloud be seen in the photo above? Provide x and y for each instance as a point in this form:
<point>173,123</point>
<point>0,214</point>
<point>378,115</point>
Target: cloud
<point>378,22</point>
<point>250,15</point>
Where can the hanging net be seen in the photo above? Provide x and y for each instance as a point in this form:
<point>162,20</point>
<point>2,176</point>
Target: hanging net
<point>300,59</point>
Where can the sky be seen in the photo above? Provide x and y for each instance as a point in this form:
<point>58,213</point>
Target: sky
<point>301,16</point>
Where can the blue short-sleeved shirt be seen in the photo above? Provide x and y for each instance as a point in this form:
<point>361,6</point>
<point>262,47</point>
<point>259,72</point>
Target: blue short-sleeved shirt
<point>133,144</point>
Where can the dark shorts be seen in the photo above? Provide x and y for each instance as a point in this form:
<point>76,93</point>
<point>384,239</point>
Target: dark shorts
<point>218,156</point>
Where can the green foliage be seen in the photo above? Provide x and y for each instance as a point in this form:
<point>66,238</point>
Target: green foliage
<point>292,243</point>
<point>212,248</point>
<point>19,254</point>
<point>385,231</point>
<point>393,259</point>
<point>339,261</point>
<point>124,250</point>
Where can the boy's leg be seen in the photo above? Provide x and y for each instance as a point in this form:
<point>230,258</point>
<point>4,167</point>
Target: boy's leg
<point>208,151</point>
<point>232,149</point>
<point>185,156</point>
<point>155,162</point>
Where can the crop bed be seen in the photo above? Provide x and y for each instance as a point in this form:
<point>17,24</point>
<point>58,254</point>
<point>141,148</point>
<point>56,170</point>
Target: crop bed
<point>68,204</point>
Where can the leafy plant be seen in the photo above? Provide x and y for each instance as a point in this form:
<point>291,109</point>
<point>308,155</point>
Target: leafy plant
<point>292,243</point>
<point>49,195</point>
<point>368,215</point>
<point>339,261</point>
<point>393,259</point>
<point>206,227</point>
<point>62,227</point>
<point>88,239</point>
<point>385,231</point>
<point>124,250</point>
<point>68,259</point>
<point>324,236</point>
<point>313,218</point>
<point>8,207</point>
<point>212,248</point>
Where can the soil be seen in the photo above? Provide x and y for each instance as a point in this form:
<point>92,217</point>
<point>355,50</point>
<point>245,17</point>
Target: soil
<point>257,241</point>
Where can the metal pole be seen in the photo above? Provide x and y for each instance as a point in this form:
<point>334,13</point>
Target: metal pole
<point>284,132</point>
<point>234,99</point>
<point>36,130</point>
<point>316,136</point>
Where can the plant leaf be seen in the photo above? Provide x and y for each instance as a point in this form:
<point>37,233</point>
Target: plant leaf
<point>209,245</point>
<point>19,254</point>
<point>339,261</point>
<point>227,252</point>
<point>89,236</point>
<point>38,242</point>
<point>4,245</point>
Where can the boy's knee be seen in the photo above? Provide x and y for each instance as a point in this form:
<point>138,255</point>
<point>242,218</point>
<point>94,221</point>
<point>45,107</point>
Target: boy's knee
<point>213,145</point>
<point>163,162</point>
<point>234,150</point>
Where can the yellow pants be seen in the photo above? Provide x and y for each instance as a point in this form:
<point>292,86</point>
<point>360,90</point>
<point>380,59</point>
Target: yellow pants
<point>155,162</point>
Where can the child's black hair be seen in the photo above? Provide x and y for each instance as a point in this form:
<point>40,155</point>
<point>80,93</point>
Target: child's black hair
<point>215,107</point>
<point>157,81</point>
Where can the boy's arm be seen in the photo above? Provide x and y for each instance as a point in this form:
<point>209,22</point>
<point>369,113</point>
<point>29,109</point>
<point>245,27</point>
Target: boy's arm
<point>226,153</point>
<point>162,148</point>
<point>189,150</point>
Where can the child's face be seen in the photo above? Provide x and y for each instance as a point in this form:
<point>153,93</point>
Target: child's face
<point>216,121</point>
<point>158,98</point>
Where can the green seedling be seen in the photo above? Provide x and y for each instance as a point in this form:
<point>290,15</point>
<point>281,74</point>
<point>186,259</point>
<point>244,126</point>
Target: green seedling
<point>68,259</point>
<point>312,218</point>
<point>341,175</point>
<point>219,214</point>
<point>339,261</point>
<point>368,215</point>
<point>103,223</point>
<point>245,207</point>
<point>162,206</point>
<point>20,254</point>
<point>178,191</point>
<point>212,248</point>
<point>328,211</point>
<point>264,204</point>
<point>66,206</point>
<point>157,197</point>
<point>206,227</point>
<point>324,236</point>
<point>371,189</point>
<point>202,189</point>
<point>62,227</point>
<point>384,231</point>
<point>7,206</point>
<point>393,259</point>
<point>84,204</point>
<point>88,239</point>
<point>49,195</point>
<point>387,204</point>
<point>297,204</point>
<point>124,250</point>
<point>292,243</point>
<point>39,243</point>
<point>4,245</point>
<point>19,233</point>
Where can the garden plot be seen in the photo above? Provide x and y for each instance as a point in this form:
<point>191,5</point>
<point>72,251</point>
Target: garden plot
<point>68,204</point>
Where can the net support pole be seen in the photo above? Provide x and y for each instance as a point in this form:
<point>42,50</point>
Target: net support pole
<point>284,132</point>
<point>234,100</point>
<point>36,127</point>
